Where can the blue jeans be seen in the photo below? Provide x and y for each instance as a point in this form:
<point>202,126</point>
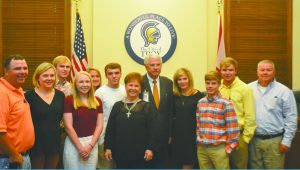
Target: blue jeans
<point>26,162</point>
<point>4,163</point>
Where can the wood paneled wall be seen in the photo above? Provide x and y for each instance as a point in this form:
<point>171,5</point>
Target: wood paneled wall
<point>256,30</point>
<point>38,30</point>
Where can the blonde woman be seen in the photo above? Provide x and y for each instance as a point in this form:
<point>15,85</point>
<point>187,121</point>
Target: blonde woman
<point>83,120</point>
<point>184,125</point>
<point>46,105</point>
<point>96,77</point>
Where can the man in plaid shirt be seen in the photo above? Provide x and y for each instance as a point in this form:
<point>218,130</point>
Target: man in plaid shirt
<point>217,127</point>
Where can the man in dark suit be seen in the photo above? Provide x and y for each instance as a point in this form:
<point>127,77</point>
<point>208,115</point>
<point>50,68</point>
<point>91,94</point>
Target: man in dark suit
<point>158,90</point>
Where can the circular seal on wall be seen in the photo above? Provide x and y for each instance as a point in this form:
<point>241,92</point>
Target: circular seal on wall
<point>150,34</point>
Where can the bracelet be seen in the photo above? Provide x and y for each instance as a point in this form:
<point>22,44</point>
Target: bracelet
<point>91,145</point>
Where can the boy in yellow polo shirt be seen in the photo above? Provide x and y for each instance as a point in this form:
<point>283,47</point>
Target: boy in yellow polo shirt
<point>242,97</point>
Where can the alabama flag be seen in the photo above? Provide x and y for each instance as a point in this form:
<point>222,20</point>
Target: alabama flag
<point>221,46</point>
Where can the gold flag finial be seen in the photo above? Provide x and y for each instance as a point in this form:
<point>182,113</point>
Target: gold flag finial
<point>220,4</point>
<point>76,3</point>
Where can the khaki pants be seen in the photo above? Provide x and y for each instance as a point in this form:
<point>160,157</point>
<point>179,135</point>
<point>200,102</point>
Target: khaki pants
<point>265,154</point>
<point>239,156</point>
<point>102,162</point>
<point>212,156</point>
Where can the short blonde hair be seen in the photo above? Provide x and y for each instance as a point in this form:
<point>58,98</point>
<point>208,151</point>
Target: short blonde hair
<point>92,101</point>
<point>213,75</point>
<point>40,70</point>
<point>226,62</point>
<point>61,59</point>
<point>182,72</point>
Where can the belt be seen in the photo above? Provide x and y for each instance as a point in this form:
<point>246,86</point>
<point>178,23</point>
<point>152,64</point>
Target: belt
<point>269,136</point>
<point>211,144</point>
<point>4,156</point>
<point>22,153</point>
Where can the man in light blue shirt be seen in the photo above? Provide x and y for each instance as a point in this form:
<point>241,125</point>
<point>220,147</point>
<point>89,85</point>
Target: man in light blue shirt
<point>276,119</point>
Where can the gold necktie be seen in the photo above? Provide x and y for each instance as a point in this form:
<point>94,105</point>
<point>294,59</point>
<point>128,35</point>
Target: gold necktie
<point>155,94</point>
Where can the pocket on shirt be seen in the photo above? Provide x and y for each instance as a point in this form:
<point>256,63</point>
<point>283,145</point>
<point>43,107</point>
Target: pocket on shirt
<point>272,104</point>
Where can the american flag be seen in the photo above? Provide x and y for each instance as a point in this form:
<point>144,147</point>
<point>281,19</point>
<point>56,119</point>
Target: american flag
<point>79,57</point>
<point>221,45</point>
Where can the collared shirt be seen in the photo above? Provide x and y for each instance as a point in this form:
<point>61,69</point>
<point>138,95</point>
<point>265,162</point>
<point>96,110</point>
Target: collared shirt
<point>276,110</point>
<point>151,84</point>
<point>217,122</point>
<point>15,117</point>
<point>65,87</point>
<point>242,98</point>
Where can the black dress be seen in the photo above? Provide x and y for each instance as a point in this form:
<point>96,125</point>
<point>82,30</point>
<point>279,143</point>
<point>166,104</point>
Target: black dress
<point>184,129</point>
<point>46,119</point>
<point>129,137</point>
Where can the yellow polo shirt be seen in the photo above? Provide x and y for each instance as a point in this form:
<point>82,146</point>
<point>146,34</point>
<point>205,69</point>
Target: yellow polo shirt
<point>243,101</point>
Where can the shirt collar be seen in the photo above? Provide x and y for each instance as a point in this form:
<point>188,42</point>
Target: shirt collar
<point>236,79</point>
<point>61,83</point>
<point>270,84</point>
<point>214,98</point>
<point>9,86</point>
<point>151,80</point>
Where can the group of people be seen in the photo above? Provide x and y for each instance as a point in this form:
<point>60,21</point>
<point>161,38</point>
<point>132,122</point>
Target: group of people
<point>149,122</point>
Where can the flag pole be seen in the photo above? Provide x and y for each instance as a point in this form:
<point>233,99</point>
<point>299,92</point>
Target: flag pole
<point>79,59</point>
<point>221,44</point>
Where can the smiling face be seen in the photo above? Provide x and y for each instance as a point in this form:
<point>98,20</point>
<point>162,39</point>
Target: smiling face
<point>183,82</point>
<point>96,78</point>
<point>83,84</point>
<point>133,89</point>
<point>16,73</point>
<point>228,74</point>
<point>153,67</point>
<point>47,79</point>
<point>63,71</point>
<point>265,73</point>
<point>212,87</point>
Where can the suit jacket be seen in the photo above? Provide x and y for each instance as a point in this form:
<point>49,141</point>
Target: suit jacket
<point>162,115</point>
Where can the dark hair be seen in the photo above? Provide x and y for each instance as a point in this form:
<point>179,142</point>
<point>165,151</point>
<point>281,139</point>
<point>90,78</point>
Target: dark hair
<point>133,76</point>
<point>8,59</point>
<point>112,66</point>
